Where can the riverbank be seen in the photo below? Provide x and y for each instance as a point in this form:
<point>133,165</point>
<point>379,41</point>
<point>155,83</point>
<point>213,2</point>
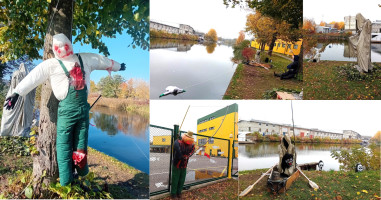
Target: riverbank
<point>166,35</point>
<point>250,82</point>
<point>126,105</point>
<point>107,174</point>
<point>257,137</point>
<point>338,80</point>
<point>329,36</point>
<point>333,185</point>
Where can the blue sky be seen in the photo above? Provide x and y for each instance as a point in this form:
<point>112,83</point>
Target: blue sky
<point>136,60</point>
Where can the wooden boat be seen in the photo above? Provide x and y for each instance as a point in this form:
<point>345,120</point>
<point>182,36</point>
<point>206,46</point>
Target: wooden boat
<point>278,183</point>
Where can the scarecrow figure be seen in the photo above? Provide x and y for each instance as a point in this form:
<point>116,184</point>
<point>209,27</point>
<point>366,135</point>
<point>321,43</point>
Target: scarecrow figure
<point>69,76</point>
<point>292,69</point>
<point>172,90</point>
<point>287,156</point>
<point>183,149</point>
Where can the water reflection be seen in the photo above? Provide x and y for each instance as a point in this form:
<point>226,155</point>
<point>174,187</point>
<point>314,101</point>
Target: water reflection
<point>203,74</point>
<point>264,155</point>
<point>210,47</point>
<point>339,50</point>
<point>122,135</point>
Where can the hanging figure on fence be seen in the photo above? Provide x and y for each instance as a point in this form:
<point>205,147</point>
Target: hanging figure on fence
<point>69,75</point>
<point>182,149</point>
<point>292,69</point>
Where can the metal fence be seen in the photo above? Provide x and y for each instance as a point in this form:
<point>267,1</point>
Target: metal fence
<point>200,168</point>
<point>160,159</point>
<point>235,159</point>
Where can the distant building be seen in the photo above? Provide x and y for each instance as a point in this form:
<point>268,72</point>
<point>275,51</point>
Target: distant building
<point>376,26</point>
<point>349,134</point>
<point>321,29</point>
<point>350,23</point>
<point>269,128</point>
<point>182,29</point>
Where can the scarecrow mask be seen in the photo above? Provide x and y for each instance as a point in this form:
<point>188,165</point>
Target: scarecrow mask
<point>62,47</point>
<point>187,140</point>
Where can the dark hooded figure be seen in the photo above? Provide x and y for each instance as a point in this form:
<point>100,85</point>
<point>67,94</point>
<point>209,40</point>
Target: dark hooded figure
<point>287,156</point>
<point>292,69</point>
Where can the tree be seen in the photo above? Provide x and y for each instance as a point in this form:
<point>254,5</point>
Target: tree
<point>237,49</point>
<point>141,89</point>
<point>377,137</point>
<point>110,86</point>
<point>29,27</point>
<point>309,25</point>
<point>211,36</point>
<point>341,25</point>
<point>248,53</point>
<point>240,38</point>
<point>93,87</point>
<point>335,24</point>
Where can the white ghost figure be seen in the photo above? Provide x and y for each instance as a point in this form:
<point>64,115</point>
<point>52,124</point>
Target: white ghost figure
<point>51,69</point>
<point>172,90</point>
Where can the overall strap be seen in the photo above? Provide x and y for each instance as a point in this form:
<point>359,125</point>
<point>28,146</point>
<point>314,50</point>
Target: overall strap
<point>81,63</point>
<point>64,68</point>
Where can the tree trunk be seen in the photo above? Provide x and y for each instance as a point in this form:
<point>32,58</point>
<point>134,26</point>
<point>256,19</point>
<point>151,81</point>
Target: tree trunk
<point>46,160</point>
<point>270,53</point>
<point>300,68</point>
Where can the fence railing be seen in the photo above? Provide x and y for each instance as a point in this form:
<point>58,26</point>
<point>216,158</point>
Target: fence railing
<point>201,169</point>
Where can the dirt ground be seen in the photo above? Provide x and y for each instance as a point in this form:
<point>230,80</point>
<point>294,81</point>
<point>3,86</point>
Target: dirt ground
<point>123,181</point>
<point>222,190</point>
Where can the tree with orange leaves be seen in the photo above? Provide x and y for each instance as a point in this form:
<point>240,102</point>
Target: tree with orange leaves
<point>309,25</point>
<point>322,23</point>
<point>377,137</point>
<point>240,38</point>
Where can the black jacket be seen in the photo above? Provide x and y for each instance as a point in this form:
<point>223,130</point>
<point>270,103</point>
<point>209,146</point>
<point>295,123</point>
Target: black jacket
<point>294,65</point>
<point>181,154</point>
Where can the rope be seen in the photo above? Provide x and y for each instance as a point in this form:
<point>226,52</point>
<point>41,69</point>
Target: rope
<point>140,149</point>
<point>54,12</point>
<point>207,80</point>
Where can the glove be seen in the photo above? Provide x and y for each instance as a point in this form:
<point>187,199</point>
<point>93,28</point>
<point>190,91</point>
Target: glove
<point>122,67</point>
<point>80,158</point>
<point>11,101</point>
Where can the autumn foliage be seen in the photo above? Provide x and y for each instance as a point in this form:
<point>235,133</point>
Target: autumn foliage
<point>309,25</point>
<point>211,35</point>
<point>240,38</point>
<point>248,53</point>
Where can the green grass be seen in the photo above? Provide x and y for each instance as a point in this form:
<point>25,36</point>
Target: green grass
<point>250,82</point>
<point>324,80</point>
<point>234,85</point>
<point>333,185</point>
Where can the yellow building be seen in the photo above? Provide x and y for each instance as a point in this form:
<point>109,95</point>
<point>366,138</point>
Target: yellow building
<point>208,125</point>
<point>282,47</point>
<point>163,140</point>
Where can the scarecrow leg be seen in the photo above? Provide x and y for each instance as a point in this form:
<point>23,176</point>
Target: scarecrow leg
<point>175,180</point>
<point>81,133</point>
<point>183,173</point>
<point>65,126</point>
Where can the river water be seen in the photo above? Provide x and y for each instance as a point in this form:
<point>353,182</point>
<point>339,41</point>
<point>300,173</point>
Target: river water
<point>204,71</point>
<point>124,136</point>
<point>340,51</point>
<point>265,155</point>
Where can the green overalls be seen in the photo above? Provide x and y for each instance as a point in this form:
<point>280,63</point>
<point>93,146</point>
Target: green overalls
<point>72,129</point>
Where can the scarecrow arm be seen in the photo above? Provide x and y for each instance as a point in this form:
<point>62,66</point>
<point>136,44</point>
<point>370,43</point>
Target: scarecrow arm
<point>191,153</point>
<point>177,153</point>
<point>98,62</point>
<point>35,78</point>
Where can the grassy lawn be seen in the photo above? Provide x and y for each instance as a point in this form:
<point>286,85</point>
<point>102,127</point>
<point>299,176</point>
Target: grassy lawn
<point>250,82</point>
<point>113,176</point>
<point>333,185</point>
<point>222,190</point>
<point>323,80</point>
